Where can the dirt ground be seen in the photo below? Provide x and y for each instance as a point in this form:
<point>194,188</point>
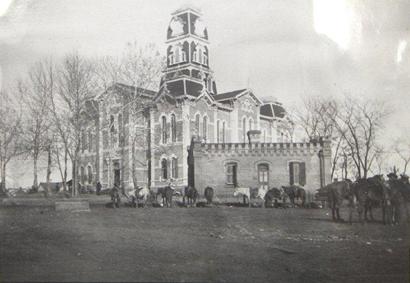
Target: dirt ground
<point>234,244</point>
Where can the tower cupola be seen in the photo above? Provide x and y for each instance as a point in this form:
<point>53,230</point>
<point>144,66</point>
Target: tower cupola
<point>188,51</point>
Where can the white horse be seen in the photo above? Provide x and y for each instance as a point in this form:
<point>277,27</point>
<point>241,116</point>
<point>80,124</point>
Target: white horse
<point>139,194</point>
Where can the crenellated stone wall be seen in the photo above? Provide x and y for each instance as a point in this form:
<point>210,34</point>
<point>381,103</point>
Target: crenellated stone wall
<point>210,164</point>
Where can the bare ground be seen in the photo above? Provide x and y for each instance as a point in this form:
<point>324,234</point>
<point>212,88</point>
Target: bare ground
<point>198,244</point>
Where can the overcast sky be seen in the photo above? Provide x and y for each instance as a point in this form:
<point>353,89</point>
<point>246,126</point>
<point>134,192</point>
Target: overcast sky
<point>285,49</point>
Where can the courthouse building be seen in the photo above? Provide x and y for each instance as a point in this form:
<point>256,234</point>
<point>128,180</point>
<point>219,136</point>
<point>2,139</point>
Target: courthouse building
<point>191,133</point>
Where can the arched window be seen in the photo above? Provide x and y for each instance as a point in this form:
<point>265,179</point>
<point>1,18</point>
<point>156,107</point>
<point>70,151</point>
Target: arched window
<point>177,55</point>
<point>217,131</point>
<point>197,124</point>
<point>82,175</point>
<point>90,174</point>
<point>199,55</point>
<point>164,129</point>
<point>223,132</point>
<point>244,129</point>
<point>173,128</point>
<point>205,127</point>
<point>174,165</point>
<point>250,124</point>
<point>164,169</point>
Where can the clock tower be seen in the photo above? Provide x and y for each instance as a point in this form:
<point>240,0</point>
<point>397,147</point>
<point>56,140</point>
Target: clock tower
<point>187,70</point>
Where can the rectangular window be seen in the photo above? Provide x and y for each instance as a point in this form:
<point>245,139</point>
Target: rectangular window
<point>174,168</point>
<point>231,174</point>
<point>297,173</point>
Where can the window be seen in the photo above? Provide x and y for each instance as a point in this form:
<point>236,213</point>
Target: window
<point>174,165</point>
<point>200,56</point>
<point>205,128</point>
<point>164,129</point>
<point>263,176</point>
<point>120,138</point>
<point>112,127</point>
<point>164,169</point>
<point>90,141</point>
<point>231,174</point>
<point>244,129</point>
<point>173,128</point>
<point>83,141</point>
<point>82,175</point>
<point>217,131</point>
<point>297,173</point>
<point>90,174</point>
<point>250,124</point>
<point>177,55</point>
<point>197,124</point>
<point>223,132</point>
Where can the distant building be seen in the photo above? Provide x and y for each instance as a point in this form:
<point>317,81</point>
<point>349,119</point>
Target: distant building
<point>150,147</point>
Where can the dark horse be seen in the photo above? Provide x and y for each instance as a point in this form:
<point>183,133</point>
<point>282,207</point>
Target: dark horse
<point>115,197</point>
<point>166,194</point>
<point>295,192</point>
<point>272,196</point>
<point>191,194</point>
<point>337,192</point>
<point>372,192</point>
<point>209,195</point>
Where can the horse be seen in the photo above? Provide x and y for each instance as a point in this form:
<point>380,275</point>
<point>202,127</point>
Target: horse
<point>371,192</point>
<point>272,195</point>
<point>399,192</point>
<point>209,194</point>
<point>191,194</point>
<point>115,197</point>
<point>139,194</point>
<point>245,192</point>
<point>336,193</point>
<point>295,192</point>
<point>166,194</point>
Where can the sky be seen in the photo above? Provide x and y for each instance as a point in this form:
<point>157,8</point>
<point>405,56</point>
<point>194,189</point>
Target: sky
<point>286,50</point>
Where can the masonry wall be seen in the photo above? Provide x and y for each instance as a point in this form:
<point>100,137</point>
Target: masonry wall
<point>210,162</point>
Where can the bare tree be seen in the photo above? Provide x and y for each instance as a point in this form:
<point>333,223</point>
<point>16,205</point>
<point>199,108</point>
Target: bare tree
<point>137,73</point>
<point>35,92</point>
<point>359,122</point>
<point>10,133</point>
<point>76,86</point>
<point>317,119</point>
<point>402,150</point>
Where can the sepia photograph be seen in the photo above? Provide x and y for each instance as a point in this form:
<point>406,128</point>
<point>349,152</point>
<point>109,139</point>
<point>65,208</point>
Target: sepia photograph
<point>204,141</point>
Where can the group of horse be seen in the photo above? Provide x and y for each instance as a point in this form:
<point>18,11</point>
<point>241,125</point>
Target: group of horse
<point>140,196</point>
<point>271,197</point>
<point>274,196</point>
<point>365,194</point>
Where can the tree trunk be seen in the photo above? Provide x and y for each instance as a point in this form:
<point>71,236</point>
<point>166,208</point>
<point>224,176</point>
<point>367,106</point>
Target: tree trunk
<point>134,173</point>
<point>65,169</point>
<point>48,168</point>
<point>3,177</point>
<point>35,181</point>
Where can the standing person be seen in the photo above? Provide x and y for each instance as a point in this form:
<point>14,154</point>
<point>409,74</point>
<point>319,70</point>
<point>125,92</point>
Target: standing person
<point>98,188</point>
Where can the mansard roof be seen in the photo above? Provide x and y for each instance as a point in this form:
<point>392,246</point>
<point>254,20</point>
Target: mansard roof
<point>229,95</point>
<point>184,87</point>
<point>273,110</point>
<point>133,89</point>
<point>124,89</point>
